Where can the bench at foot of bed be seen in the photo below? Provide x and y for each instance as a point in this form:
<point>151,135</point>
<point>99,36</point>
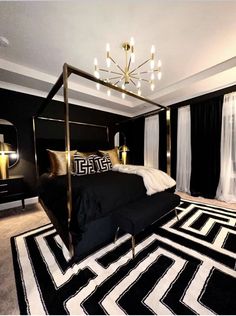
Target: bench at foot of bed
<point>136,216</point>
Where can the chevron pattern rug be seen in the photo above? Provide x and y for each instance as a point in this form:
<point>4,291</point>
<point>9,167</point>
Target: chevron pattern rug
<point>181,267</point>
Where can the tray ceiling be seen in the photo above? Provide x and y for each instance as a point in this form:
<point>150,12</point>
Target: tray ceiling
<point>194,39</point>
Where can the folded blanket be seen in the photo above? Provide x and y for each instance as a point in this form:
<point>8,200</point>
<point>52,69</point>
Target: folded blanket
<point>153,179</point>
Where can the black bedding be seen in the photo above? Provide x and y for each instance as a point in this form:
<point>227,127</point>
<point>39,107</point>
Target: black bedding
<point>93,196</point>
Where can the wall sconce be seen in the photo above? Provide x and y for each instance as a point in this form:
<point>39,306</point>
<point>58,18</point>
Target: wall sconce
<point>123,149</point>
<point>5,151</point>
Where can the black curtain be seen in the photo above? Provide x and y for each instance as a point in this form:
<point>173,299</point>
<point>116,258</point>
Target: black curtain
<point>173,124</point>
<point>205,142</point>
<point>162,141</point>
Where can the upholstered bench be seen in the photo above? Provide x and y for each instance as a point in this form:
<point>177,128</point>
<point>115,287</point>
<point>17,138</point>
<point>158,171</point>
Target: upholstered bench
<point>137,215</point>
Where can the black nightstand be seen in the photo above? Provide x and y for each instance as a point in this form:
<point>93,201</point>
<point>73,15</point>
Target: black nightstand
<point>12,189</point>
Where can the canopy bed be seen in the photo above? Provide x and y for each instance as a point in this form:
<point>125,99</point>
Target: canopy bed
<point>83,216</point>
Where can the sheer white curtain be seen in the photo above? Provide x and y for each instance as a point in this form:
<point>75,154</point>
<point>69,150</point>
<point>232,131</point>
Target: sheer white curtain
<point>151,141</point>
<point>226,190</point>
<point>183,168</point>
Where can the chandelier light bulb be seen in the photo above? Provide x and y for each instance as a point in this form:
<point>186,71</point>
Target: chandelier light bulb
<point>152,76</point>
<point>108,60</point>
<point>152,87</point>
<point>152,64</point>
<point>131,41</point>
<point>108,48</point>
<point>132,58</point>
<point>139,92</point>
<point>98,86</point>
<point>159,63</point>
<point>96,74</point>
<point>123,95</point>
<point>123,86</point>
<point>109,92</point>
<point>159,75</point>
<point>138,84</point>
<point>95,62</point>
<point>153,49</point>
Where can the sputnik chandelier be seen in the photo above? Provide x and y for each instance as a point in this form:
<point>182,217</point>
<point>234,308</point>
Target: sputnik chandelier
<point>130,75</point>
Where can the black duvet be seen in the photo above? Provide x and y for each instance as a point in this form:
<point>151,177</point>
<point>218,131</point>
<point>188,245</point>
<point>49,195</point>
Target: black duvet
<point>93,196</point>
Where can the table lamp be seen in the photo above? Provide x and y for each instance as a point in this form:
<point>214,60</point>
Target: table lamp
<point>123,149</point>
<point>5,150</point>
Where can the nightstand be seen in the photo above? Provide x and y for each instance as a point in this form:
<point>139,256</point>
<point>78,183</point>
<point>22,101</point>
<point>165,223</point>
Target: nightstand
<point>12,189</point>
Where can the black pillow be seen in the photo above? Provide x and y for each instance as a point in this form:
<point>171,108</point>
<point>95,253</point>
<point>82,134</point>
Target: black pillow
<point>84,165</point>
<point>103,163</point>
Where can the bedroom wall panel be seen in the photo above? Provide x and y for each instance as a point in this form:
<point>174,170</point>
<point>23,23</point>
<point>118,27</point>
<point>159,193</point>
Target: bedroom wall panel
<point>19,108</point>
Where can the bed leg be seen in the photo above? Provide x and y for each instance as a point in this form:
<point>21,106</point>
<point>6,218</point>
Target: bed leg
<point>71,246</point>
<point>133,246</point>
<point>116,235</point>
<point>176,214</point>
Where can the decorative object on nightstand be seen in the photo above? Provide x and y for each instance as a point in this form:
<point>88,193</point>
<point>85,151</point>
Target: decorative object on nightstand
<point>124,149</point>
<point>119,139</point>
<point>12,189</point>
<point>5,151</point>
<point>8,135</point>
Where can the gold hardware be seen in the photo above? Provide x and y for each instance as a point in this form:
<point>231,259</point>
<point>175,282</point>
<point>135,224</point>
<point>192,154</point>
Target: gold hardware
<point>176,214</point>
<point>126,46</point>
<point>116,235</point>
<point>4,162</point>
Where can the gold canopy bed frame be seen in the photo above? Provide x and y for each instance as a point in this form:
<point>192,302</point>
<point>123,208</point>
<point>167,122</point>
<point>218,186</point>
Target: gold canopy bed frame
<point>63,81</point>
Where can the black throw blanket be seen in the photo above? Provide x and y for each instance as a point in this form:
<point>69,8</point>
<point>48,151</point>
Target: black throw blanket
<point>93,196</point>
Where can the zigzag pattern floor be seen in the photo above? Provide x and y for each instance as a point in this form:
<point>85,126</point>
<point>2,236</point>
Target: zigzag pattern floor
<point>181,267</point>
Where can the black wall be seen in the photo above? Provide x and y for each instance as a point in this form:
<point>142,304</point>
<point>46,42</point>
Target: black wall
<point>134,132</point>
<point>18,108</point>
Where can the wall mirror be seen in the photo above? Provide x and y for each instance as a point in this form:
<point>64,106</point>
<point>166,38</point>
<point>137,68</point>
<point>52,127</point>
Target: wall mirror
<point>119,139</point>
<point>8,135</point>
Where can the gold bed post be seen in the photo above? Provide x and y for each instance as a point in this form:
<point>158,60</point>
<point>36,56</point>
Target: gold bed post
<point>67,144</point>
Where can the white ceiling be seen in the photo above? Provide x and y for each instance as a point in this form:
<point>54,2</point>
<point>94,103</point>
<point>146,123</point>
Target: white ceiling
<point>196,41</point>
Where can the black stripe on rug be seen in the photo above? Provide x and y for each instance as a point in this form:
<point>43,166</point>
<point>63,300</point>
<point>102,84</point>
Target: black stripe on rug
<point>181,267</point>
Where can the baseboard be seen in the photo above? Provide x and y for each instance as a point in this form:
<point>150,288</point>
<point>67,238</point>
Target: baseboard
<point>8,205</point>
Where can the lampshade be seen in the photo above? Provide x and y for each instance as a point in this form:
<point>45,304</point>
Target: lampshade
<point>123,148</point>
<point>6,148</point>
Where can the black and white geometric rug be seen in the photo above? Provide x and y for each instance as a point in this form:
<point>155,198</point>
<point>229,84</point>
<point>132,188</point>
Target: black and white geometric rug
<point>181,267</point>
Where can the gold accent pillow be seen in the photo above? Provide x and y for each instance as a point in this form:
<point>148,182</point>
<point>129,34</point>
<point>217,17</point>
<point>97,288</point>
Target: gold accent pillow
<point>58,161</point>
<point>86,154</point>
<point>113,154</point>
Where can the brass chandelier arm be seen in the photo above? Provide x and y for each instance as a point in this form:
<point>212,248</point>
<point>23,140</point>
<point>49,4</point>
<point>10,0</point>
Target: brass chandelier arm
<point>119,80</point>
<point>140,79</point>
<point>133,82</point>
<point>118,66</point>
<point>113,78</point>
<point>112,72</point>
<point>141,65</point>
<point>148,71</point>
<point>129,63</point>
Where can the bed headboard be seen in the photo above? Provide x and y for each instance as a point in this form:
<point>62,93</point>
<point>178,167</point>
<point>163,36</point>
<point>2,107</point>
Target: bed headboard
<point>50,134</point>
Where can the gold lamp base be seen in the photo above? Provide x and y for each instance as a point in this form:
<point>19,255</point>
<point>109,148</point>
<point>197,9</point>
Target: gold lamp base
<point>4,161</point>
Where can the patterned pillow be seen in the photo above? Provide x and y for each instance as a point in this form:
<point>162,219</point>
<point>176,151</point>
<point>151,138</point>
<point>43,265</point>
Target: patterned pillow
<point>103,163</point>
<point>83,166</point>
<point>113,154</point>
